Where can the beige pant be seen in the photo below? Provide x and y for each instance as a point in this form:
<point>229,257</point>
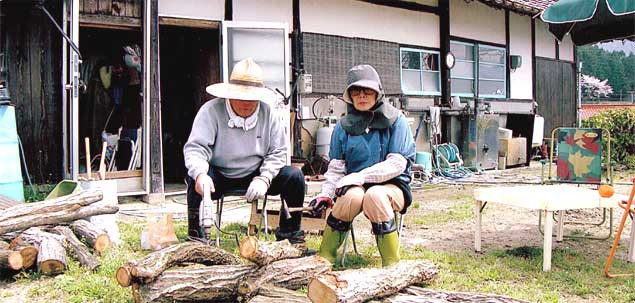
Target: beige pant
<point>379,203</point>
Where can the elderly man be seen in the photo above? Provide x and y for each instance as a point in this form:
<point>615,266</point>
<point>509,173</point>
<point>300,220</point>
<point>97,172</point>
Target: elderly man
<point>238,143</point>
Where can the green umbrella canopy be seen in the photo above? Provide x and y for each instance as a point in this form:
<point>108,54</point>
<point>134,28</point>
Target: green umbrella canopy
<point>591,21</point>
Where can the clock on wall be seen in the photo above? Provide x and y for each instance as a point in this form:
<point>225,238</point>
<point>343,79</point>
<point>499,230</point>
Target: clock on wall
<point>449,60</point>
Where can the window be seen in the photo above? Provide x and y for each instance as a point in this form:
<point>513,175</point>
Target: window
<point>483,63</point>
<point>420,72</point>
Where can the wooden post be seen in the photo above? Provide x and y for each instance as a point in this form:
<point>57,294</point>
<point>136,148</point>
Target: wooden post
<point>546,261</point>
<point>477,225</point>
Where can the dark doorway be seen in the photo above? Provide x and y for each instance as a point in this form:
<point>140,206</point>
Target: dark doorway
<point>189,62</point>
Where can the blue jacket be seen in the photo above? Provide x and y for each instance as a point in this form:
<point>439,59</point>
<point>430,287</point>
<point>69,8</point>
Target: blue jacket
<point>370,148</point>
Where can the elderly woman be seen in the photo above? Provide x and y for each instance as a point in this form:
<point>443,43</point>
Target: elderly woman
<point>371,153</point>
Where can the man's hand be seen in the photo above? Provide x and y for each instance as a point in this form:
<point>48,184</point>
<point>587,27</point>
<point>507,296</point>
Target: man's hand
<point>202,180</point>
<point>257,189</point>
<point>319,205</point>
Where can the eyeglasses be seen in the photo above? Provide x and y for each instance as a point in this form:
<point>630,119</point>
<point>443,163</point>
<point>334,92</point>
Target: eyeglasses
<point>356,91</point>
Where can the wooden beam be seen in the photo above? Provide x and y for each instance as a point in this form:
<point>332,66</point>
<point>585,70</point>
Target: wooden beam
<point>195,23</point>
<point>121,174</point>
<point>411,6</point>
<point>155,152</point>
<point>507,54</point>
<point>110,22</point>
<point>533,59</point>
<point>444,34</point>
<point>229,10</point>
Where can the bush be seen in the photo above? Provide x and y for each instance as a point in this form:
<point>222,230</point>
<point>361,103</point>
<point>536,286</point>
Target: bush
<point>621,124</point>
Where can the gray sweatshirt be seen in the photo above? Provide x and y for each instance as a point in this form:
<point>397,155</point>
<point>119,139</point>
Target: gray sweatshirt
<point>234,152</point>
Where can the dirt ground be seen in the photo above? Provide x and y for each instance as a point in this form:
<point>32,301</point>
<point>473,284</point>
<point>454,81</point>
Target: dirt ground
<point>503,227</point>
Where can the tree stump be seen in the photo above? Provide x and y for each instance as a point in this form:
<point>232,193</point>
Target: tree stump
<point>51,257</point>
<point>96,237</point>
<point>210,283</point>
<point>263,253</point>
<point>152,265</point>
<point>360,285</point>
<point>78,248</point>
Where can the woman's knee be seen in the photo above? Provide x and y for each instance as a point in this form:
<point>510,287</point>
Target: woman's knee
<point>377,206</point>
<point>348,206</point>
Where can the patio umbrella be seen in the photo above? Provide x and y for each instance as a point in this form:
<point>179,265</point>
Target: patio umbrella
<point>591,21</point>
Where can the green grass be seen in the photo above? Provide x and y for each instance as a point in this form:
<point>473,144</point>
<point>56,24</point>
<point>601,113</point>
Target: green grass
<point>462,209</point>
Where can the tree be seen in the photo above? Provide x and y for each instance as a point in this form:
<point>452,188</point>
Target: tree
<point>594,88</point>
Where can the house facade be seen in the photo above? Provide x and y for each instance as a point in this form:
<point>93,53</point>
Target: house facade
<point>507,66</point>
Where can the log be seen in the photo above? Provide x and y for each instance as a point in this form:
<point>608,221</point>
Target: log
<point>289,273</point>
<point>4,245</point>
<point>152,265</point>
<point>209,283</point>
<point>10,259</point>
<point>77,248</point>
<point>414,294</point>
<point>96,237</point>
<point>360,285</point>
<point>263,253</point>
<point>78,206</point>
<point>27,251</point>
<point>273,294</point>
<point>51,257</point>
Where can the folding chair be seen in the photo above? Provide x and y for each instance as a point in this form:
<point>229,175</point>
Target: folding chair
<point>579,161</point>
<point>629,209</point>
<point>398,216</point>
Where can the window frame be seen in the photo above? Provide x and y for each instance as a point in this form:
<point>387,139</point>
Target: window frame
<point>476,46</point>
<point>421,71</point>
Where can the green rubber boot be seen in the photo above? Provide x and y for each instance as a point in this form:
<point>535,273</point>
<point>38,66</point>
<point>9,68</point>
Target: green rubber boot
<point>388,246</point>
<point>331,241</point>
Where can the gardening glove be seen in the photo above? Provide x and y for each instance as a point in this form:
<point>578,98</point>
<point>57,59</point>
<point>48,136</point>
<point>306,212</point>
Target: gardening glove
<point>257,188</point>
<point>319,205</point>
<point>348,181</point>
<point>201,181</point>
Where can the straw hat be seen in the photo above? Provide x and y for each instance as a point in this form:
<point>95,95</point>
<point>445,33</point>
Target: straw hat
<point>245,83</point>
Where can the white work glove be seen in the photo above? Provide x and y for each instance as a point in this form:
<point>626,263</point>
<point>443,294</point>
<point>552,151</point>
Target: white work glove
<point>353,179</point>
<point>201,181</point>
<point>257,188</point>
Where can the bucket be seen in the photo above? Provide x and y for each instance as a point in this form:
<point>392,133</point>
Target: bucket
<point>425,159</point>
<point>10,170</point>
<point>105,222</point>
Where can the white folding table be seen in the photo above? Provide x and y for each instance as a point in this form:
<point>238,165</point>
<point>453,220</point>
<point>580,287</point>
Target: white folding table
<point>547,198</point>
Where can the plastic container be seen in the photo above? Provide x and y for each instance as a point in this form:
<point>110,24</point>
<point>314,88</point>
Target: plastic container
<point>425,159</point>
<point>106,222</point>
<point>64,188</point>
<point>323,140</point>
<point>10,171</point>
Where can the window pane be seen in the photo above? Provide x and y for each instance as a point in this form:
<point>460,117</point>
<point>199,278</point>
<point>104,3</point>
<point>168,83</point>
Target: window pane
<point>488,71</point>
<point>462,51</point>
<point>410,60</point>
<point>462,86</point>
<point>411,80</point>
<point>491,55</point>
<point>463,69</point>
<point>431,82</point>
<point>491,88</point>
<point>430,61</point>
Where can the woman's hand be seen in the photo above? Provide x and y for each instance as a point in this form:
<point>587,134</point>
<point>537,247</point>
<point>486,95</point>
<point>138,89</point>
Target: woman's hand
<point>348,181</point>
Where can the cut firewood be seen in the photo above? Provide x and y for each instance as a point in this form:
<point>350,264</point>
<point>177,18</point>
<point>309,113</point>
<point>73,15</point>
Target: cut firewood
<point>77,248</point>
<point>152,265</point>
<point>263,253</point>
<point>51,257</point>
<point>360,285</point>
<point>4,245</point>
<point>96,237</point>
<point>414,294</point>
<point>273,294</point>
<point>210,283</point>
<point>28,251</point>
<point>288,273</point>
<point>53,212</point>
<point>10,259</point>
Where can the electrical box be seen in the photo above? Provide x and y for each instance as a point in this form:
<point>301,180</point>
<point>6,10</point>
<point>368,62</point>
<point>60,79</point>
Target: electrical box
<point>515,61</point>
<point>480,140</point>
<point>306,84</point>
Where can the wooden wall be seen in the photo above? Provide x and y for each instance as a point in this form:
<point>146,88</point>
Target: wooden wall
<point>555,93</point>
<point>123,8</point>
<point>34,55</point>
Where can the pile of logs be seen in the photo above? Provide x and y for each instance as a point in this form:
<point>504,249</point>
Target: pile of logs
<point>44,234</point>
<point>270,272</point>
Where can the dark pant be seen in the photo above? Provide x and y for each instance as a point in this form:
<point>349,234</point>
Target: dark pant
<point>289,184</point>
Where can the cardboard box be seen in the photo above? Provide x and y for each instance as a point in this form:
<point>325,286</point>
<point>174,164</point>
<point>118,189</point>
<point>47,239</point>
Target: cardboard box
<point>515,150</point>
